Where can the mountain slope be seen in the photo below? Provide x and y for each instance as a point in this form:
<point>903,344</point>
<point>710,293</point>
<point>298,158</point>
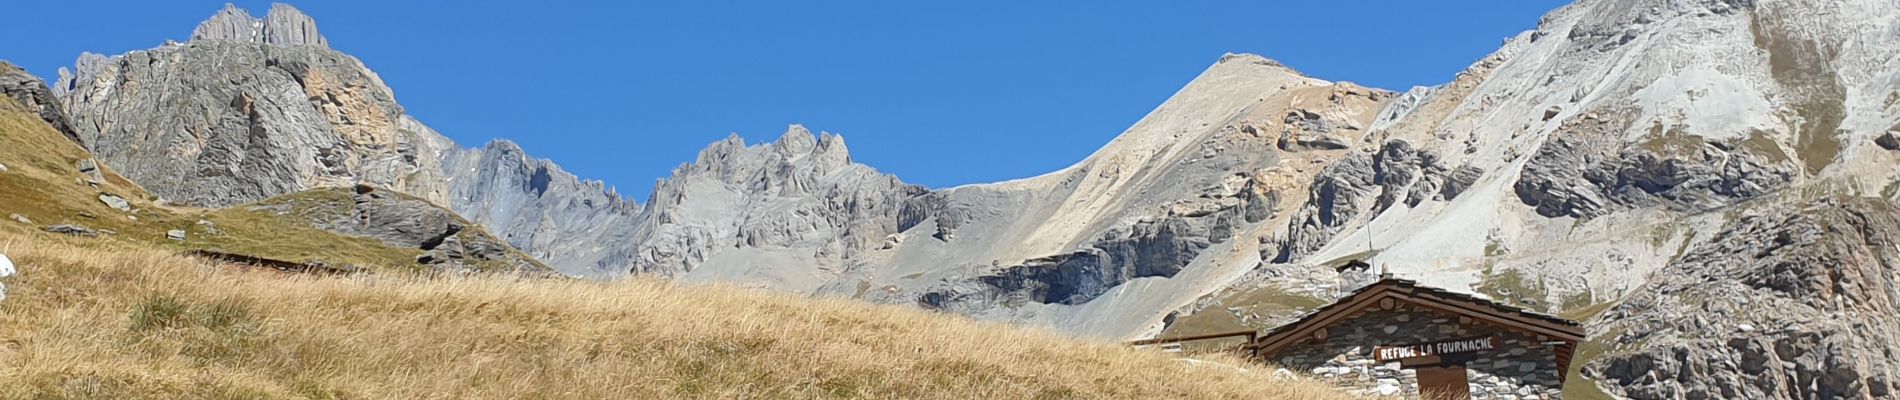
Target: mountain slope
<point>1163,213</point>
<point>50,183</point>
<point>132,322</point>
<point>1631,150</point>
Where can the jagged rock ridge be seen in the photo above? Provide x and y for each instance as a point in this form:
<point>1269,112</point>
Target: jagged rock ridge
<point>282,26</point>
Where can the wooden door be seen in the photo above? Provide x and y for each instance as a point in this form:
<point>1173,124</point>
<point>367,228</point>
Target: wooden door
<point>1443,383</point>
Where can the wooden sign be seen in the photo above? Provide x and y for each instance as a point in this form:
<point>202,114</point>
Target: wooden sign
<point>1469,345</point>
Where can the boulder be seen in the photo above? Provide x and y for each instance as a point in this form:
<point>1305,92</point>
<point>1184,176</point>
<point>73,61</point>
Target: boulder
<point>90,168</point>
<point>74,230</point>
<point>20,218</point>
<point>175,234</point>
<point>115,202</point>
<point>1298,143</point>
<point>1889,141</point>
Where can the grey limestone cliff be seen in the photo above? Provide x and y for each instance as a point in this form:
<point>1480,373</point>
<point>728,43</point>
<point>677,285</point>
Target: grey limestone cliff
<point>246,110</point>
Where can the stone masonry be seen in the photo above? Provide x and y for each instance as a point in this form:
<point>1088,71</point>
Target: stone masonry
<point>1521,368</point>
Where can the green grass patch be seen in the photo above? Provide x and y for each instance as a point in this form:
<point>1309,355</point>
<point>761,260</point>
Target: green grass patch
<point>1273,304</point>
<point>1512,287</point>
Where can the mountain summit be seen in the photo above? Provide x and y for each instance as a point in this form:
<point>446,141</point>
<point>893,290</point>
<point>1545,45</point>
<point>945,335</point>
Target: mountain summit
<point>283,26</point>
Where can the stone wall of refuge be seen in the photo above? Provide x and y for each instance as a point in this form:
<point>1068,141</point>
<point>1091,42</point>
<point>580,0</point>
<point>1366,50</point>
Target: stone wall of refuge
<point>1521,368</point>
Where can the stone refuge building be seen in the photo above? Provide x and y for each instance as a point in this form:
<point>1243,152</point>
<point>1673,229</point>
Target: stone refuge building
<point>1396,338</point>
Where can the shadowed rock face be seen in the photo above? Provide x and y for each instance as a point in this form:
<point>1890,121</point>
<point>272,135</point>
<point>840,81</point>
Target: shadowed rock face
<point>30,91</point>
<point>1341,192</point>
<point>1587,172</point>
<point>1158,248</point>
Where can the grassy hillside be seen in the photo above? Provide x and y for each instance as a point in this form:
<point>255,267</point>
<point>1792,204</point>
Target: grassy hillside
<point>124,316</point>
<point>117,320</point>
<point>43,185</point>
<point>281,227</point>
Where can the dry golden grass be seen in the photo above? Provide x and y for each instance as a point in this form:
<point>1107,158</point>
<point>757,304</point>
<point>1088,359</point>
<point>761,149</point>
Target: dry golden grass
<point>127,321</point>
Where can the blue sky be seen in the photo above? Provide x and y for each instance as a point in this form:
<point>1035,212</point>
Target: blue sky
<point>939,94</point>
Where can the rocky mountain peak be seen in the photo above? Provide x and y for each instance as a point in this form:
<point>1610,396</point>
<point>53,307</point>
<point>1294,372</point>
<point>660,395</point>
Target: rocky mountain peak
<point>288,26</point>
<point>797,153</point>
<point>831,149</point>
<point>826,151</point>
<point>1248,58</point>
<point>230,23</point>
<point>86,68</point>
<point>284,26</point>
<point>795,142</point>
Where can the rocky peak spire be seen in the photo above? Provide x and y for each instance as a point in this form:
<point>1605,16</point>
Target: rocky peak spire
<point>831,150</point>
<point>284,26</point>
<point>797,141</point>
<point>288,26</point>
<point>231,23</point>
<point>86,68</point>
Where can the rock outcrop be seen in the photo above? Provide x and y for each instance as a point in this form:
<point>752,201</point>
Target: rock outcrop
<point>1363,183</point>
<point>1786,302</point>
<point>1585,172</point>
<point>1150,248</point>
<point>30,91</point>
<point>449,243</point>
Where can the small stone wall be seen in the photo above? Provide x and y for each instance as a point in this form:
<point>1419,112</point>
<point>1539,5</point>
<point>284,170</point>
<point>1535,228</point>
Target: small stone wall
<point>1521,368</point>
